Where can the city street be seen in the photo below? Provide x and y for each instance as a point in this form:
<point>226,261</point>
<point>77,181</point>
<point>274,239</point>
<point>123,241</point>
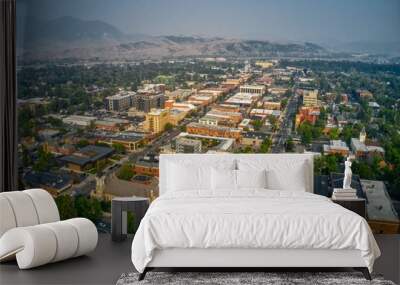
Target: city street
<point>285,128</point>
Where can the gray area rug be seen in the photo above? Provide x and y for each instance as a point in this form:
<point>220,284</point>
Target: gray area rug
<point>228,278</point>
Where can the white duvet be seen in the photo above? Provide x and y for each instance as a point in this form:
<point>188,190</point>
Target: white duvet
<point>250,219</point>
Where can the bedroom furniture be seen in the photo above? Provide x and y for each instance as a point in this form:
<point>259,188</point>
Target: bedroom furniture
<point>219,224</point>
<point>357,205</point>
<point>119,209</point>
<point>31,231</point>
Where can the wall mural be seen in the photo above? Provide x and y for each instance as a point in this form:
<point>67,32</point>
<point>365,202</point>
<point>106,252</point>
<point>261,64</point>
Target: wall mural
<point>103,90</point>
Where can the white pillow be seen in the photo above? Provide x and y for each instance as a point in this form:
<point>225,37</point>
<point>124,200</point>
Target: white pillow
<point>279,180</point>
<point>282,174</point>
<point>183,177</point>
<point>251,178</point>
<point>223,179</point>
<point>185,174</point>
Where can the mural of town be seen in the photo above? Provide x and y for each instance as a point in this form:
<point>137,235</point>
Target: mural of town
<point>92,128</point>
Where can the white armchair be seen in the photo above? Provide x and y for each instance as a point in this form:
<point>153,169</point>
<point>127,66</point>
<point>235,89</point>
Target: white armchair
<point>31,230</point>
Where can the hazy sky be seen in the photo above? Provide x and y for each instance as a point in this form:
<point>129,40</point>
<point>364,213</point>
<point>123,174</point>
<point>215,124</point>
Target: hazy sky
<point>299,20</point>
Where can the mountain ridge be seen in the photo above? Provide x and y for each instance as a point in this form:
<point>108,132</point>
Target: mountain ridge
<point>69,37</point>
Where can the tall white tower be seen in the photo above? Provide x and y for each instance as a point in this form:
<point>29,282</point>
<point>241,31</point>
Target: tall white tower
<point>247,66</point>
<point>363,135</point>
<point>100,186</point>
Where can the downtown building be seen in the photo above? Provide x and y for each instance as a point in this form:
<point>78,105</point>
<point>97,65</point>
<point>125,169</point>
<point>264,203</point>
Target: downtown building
<point>214,131</point>
<point>307,114</point>
<point>220,118</point>
<point>363,151</point>
<point>157,119</point>
<point>253,89</point>
<point>145,101</point>
<point>121,101</point>
<point>80,121</point>
<point>336,147</point>
<point>310,98</point>
<point>187,145</point>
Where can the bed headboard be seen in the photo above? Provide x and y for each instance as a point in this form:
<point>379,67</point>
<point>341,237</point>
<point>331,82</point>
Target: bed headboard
<point>211,159</point>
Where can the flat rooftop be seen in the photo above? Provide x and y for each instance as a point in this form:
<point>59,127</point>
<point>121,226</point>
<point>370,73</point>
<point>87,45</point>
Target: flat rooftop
<point>221,128</point>
<point>88,154</point>
<point>379,206</point>
<point>80,118</point>
<point>121,95</point>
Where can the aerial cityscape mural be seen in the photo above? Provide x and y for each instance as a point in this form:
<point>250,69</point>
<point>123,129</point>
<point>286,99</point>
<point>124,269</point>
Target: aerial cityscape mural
<point>104,90</point>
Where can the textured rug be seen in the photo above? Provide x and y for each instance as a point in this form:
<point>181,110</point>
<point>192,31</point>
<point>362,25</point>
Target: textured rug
<point>243,278</point>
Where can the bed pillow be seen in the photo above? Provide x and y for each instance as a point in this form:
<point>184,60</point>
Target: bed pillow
<point>279,180</point>
<point>223,179</point>
<point>282,174</point>
<point>251,179</point>
<point>182,177</point>
<point>185,175</point>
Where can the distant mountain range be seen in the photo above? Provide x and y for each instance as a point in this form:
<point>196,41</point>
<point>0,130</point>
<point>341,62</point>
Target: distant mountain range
<point>69,29</point>
<point>383,48</point>
<point>69,37</point>
<point>73,38</point>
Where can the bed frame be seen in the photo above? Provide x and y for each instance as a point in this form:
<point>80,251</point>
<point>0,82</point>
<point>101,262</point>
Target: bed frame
<point>255,259</point>
<point>242,259</point>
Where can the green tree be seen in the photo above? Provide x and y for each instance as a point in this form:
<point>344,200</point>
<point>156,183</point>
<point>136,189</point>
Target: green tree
<point>289,146</point>
<point>89,208</point>
<point>118,147</point>
<point>350,131</point>
<point>274,122</point>
<point>105,206</point>
<point>284,103</point>
<point>325,164</point>
<point>331,163</point>
<point>26,123</point>
<point>306,132</point>
<point>246,149</point>
<point>44,160</point>
<point>257,124</point>
<point>168,127</point>
<point>126,172</point>
<point>316,132</point>
<point>26,158</point>
<point>265,145</point>
<point>334,134</point>
<point>346,133</point>
<point>82,143</point>
<point>363,169</point>
<point>66,207</point>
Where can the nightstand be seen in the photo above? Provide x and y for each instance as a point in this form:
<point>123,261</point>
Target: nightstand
<point>119,208</point>
<point>357,205</point>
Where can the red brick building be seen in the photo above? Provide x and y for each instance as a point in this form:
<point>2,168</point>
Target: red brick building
<point>214,131</point>
<point>307,114</point>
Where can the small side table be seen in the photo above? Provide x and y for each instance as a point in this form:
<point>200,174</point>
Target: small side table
<point>357,205</point>
<point>119,214</point>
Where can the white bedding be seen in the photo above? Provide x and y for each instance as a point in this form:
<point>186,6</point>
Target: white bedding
<point>252,218</point>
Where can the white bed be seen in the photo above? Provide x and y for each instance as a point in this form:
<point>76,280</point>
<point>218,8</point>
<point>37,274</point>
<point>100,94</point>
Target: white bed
<point>248,227</point>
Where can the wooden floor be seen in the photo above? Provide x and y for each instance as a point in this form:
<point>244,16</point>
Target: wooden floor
<point>103,266</point>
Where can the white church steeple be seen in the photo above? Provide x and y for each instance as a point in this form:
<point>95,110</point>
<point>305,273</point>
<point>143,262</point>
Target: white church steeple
<point>363,135</point>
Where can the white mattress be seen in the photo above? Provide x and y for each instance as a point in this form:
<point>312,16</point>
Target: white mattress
<point>253,219</point>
